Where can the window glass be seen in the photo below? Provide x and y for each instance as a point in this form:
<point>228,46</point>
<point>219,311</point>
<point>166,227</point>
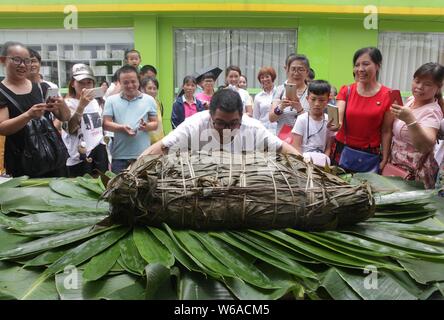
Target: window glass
<point>250,49</point>
<point>403,53</point>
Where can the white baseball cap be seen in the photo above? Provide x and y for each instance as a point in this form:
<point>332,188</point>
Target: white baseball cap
<point>81,71</point>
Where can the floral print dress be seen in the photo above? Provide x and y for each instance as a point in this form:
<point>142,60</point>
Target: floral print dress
<point>422,167</point>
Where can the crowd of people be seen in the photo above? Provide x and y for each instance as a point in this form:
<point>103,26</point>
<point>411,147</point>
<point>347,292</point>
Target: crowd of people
<point>109,131</point>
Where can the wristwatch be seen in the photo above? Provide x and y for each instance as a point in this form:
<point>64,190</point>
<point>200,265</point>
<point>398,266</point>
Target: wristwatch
<point>278,111</point>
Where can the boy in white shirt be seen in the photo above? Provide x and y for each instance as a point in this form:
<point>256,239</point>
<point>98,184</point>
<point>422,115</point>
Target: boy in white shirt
<point>311,134</point>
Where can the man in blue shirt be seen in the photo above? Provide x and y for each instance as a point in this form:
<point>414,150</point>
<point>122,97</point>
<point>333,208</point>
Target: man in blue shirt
<point>130,115</point>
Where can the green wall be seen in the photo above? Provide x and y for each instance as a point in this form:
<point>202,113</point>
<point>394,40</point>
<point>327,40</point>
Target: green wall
<point>330,45</point>
<point>146,38</point>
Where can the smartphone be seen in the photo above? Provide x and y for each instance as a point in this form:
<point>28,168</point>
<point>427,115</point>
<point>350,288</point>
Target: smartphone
<point>98,92</point>
<point>395,97</point>
<point>136,128</point>
<point>333,113</point>
<point>51,93</point>
<point>291,92</point>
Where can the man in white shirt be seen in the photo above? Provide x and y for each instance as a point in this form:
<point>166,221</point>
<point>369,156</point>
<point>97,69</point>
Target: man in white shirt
<point>34,74</point>
<point>222,127</point>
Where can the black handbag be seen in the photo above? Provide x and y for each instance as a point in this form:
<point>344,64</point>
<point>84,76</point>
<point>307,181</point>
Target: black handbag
<point>357,160</point>
<point>43,148</point>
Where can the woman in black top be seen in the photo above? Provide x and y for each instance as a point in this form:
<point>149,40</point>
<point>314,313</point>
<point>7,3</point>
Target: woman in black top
<point>16,61</point>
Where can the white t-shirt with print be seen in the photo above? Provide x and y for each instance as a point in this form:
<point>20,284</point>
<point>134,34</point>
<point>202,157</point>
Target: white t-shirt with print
<point>90,130</point>
<point>197,133</point>
<point>314,133</point>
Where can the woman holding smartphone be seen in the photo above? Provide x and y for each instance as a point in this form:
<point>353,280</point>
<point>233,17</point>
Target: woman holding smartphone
<point>417,123</point>
<point>84,135</point>
<point>286,109</point>
<point>19,92</point>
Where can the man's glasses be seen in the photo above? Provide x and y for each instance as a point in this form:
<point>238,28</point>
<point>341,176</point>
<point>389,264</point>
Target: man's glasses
<point>18,61</point>
<point>218,124</point>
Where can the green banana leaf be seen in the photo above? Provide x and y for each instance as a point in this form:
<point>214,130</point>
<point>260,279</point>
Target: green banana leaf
<point>336,286</point>
<point>130,256</point>
<point>101,264</point>
<point>119,287</point>
<point>48,234</point>
<point>151,249</point>
<point>158,284</point>
<point>377,286</point>
<point>71,189</point>
<point>78,255</point>
<point>14,282</point>
<point>194,286</point>
<point>424,270</point>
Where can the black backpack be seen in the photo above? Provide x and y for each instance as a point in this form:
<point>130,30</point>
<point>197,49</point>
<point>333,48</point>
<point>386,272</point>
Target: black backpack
<point>43,148</point>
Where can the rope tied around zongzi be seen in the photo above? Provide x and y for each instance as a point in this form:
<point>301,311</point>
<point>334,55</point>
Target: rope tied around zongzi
<point>223,190</point>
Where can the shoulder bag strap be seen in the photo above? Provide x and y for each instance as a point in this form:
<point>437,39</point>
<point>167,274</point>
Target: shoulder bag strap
<point>12,100</point>
<point>41,91</point>
<point>345,115</point>
<point>282,93</point>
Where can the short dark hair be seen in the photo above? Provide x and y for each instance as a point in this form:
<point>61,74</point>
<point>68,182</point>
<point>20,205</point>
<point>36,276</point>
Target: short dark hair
<point>319,87</point>
<point>132,51</point>
<point>433,70</point>
<point>375,56</point>
<point>147,68</point>
<point>232,68</point>
<point>226,100</point>
<point>374,53</point>
<point>208,75</point>
<point>145,81</point>
<point>293,57</point>
<point>9,44</point>
<point>436,72</point>
<point>34,54</point>
<point>187,79</point>
<point>126,69</point>
<point>292,54</point>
